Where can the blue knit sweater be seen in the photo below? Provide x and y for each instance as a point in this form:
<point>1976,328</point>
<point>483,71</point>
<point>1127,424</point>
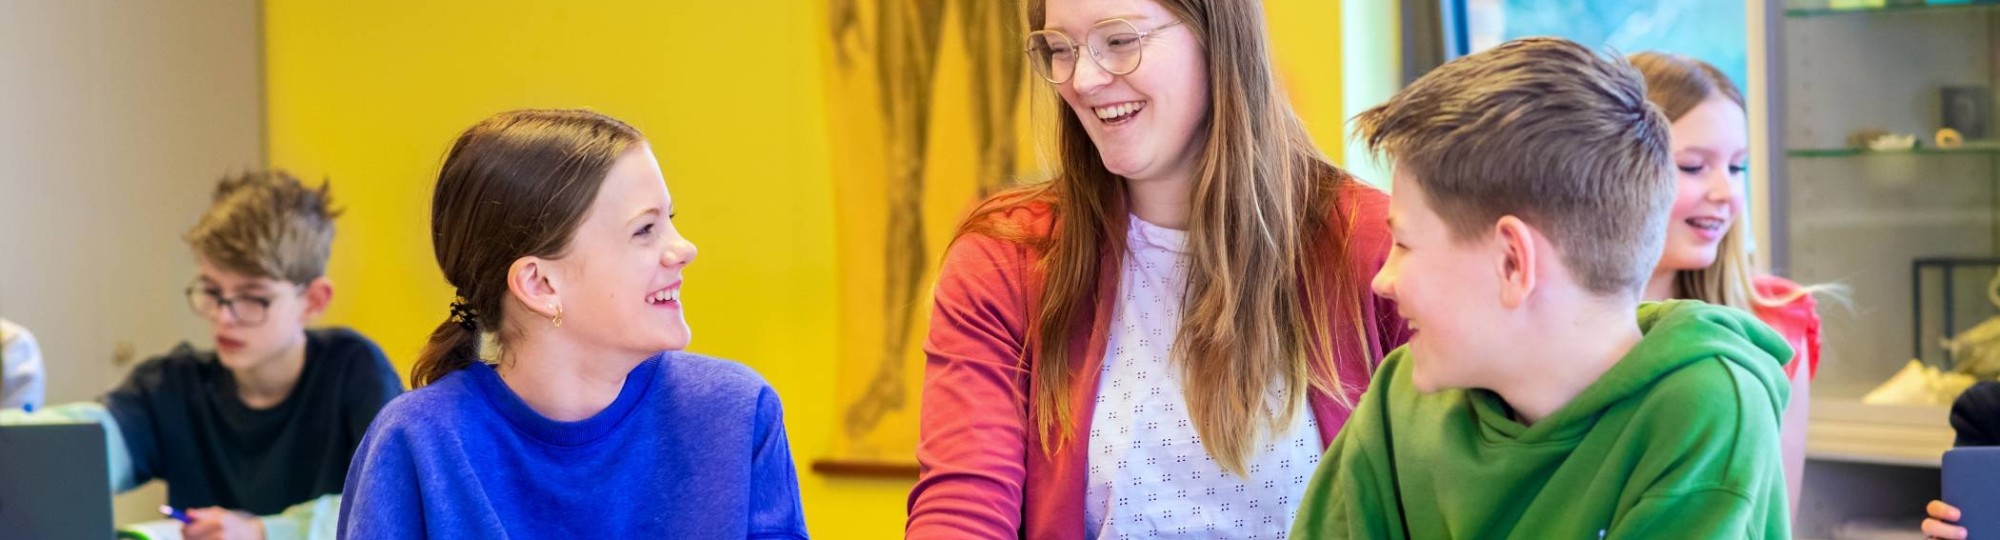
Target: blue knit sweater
<point>693,447</point>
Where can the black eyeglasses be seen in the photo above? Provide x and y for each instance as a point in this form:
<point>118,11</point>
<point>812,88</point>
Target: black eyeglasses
<point>247,310</point>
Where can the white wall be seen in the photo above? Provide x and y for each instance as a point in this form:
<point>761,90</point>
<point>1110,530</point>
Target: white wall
<point>115,120</point>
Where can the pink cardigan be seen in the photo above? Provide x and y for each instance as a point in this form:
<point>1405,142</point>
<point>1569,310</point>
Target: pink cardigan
<point>984,474</point>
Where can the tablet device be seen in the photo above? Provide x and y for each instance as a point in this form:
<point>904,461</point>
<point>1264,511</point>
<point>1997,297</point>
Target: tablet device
<point>1972,483</point>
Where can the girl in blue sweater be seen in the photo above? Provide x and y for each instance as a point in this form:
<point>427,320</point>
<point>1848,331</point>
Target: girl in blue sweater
<point>556,229</point>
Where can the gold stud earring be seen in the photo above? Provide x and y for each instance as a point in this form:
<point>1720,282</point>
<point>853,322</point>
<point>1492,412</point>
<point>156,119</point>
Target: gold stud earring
<point>558,317</point>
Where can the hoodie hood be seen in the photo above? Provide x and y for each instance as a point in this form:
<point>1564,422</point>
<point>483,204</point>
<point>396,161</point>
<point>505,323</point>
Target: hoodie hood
<point>1676,334</point>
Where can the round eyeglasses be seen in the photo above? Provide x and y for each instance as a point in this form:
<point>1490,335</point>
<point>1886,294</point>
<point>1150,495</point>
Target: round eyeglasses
<point>1114,44</point>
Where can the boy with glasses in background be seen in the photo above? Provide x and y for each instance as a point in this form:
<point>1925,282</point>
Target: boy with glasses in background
<point>254,437</point>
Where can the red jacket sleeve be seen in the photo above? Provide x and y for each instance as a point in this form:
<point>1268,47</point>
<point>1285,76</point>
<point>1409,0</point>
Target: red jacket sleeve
<point>972,439</point>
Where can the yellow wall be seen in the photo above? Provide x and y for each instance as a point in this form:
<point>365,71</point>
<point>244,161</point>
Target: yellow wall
<point>1305,42</point>
<point>368,93</point>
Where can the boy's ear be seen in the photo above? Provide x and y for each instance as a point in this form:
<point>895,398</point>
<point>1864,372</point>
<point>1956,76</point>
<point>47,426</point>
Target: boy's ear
<point>319,294</point>
<point>1519,262</point>
<point>532,282</point>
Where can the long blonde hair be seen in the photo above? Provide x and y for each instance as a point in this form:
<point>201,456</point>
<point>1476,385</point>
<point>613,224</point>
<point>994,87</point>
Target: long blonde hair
<point>1678,84</point>
<point>1264,211</point>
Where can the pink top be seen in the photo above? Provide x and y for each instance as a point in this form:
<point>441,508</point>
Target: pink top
<point>984,474</point>
<point>1797,320</point>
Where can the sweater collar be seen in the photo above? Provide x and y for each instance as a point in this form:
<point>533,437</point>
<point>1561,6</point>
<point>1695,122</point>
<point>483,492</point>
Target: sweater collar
<point>559,433</point>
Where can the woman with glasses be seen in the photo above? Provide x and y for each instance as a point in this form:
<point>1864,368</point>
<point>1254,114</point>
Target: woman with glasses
<point>1163,337</point>
<point>253,438</point>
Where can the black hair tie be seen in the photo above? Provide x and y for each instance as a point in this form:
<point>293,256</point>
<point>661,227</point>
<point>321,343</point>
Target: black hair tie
<point>463,314</point>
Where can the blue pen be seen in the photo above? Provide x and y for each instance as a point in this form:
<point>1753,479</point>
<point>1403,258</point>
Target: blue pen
<point>176,514</point>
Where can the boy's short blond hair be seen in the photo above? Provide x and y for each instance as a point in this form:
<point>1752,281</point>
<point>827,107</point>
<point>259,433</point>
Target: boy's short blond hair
<point>1548,131</point>
<point>267,224</point>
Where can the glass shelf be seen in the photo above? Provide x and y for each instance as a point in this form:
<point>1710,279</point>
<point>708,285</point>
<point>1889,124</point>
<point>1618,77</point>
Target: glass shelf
<point>1972,148</point>
<point>1889,8</point>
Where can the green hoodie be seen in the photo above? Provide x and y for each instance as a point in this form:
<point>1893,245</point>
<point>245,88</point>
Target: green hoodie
<point>1678,440</point>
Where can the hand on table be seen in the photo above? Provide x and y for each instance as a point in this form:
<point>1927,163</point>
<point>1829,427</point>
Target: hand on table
<point>222,524</point>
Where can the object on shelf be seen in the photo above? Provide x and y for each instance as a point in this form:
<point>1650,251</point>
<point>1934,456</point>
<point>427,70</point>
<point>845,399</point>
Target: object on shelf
<point>1918,384</point>
<point>1954,323</point>
<point>1949,139</point>
<point>1976,351</point>
<point>1891,142</point>
<point>1967,110</point>
<point>1881,140</point>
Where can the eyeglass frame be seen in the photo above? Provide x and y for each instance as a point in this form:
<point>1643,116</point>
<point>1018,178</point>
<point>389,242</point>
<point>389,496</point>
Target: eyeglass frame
<point>1142,36</point>
<point>224,303</point>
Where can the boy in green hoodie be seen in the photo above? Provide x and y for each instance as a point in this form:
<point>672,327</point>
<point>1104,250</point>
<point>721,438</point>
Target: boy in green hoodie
<point>1537,397</point>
